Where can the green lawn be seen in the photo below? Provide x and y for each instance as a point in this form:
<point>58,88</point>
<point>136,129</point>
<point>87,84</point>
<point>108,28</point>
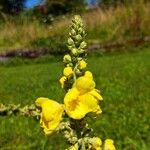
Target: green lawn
<point>123,79</point>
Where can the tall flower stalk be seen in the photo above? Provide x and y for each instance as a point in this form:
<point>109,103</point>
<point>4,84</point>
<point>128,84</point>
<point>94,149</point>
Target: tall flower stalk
<point>80,101</point>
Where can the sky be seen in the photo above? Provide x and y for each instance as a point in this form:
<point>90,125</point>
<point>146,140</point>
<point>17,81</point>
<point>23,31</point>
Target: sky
<point>32,3</point>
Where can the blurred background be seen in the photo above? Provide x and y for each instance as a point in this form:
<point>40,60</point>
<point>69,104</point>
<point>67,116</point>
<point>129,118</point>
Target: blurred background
<point>33,35</point>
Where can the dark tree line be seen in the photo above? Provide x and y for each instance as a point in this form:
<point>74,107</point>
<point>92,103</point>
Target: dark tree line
<point>11,6</point>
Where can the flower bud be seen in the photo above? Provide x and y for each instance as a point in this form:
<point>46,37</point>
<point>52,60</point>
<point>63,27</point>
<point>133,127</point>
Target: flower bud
<point>83,45</point>
<point>67,71</point>
<point>109,144</point>
<point>70,41</point>
<point>80,30</point>
<point>96,143</point>
<point>62,81</point>
<point>78,72</point>
<point>78,37</point>
<point>81,51</point>
<point>67,58</point>
<point>74,51</point>
<point>77,19</point>
<point>73,32</point>
<point>69,65</point>
<point>79,58</point>
<point>82,64</point>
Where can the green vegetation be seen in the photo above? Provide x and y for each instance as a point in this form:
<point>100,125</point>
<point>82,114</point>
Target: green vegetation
<point>124,83</point>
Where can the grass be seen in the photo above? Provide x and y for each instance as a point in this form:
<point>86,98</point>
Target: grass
<point>124,83</point>
<point>112,24</point>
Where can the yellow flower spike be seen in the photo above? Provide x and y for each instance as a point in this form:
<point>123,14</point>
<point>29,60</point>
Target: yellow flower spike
<point>62,81</point>
<point>82,64</point>
<point>67,71</point>
<point>51,114</point>
<point>109,145</point>
<point>96,143</point>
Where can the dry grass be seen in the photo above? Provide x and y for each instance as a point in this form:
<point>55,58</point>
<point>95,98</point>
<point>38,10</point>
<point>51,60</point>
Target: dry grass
<point>119,23</point>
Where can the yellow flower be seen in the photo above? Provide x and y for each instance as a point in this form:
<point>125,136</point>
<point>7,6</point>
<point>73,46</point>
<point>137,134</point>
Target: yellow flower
<point>51,114</point>
<point>82,64</point>
<point>82,98</point>
<point>109,145</point>
<point>67,71</point>
<point>62,81</point>
<point>96,143</point>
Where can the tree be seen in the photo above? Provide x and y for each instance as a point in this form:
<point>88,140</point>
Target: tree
<point>63,6</point>
<point>11,6</point>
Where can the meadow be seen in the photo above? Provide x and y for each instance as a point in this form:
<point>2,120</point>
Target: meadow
<point>122,77</point>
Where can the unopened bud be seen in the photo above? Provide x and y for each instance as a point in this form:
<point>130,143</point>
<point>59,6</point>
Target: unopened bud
<point>73,32</point>
<point>74,51</point>
<point>83,45</point>
<point>67,58</point>
<point>70,41</point>
<point>70,65</point>
<point>78,72</point>
<point>77,19</point>
<point>78,37</point>
<point>81,51</point>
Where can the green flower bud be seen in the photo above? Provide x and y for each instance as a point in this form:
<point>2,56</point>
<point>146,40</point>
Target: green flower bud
<point>73,32</point>
<point>83,45</point>
<point>80,30</point>
<point>74,51</point>
<point>78,37</point>
<point>67,58</point>
<point>78,19</point>
<point>81,51</point>
<point>71,47</point>
<point>78,72</point>
<point>79,58</point>
<point>70,41</point>
<point>69,65</point>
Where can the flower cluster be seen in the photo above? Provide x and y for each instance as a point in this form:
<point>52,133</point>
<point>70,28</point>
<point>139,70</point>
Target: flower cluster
<point>81,98</point>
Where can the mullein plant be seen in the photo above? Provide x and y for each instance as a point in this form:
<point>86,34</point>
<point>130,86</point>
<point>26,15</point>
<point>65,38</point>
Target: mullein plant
<point>80,101</point>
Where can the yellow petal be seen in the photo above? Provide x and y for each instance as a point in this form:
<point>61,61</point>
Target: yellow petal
<point>40,101</point>
<point>90,103</point>
<point>72,104</point>
<point>84,84</point>
<point>88,74</point>
<point>62,81</point>
<point>96,94</point>
<point>77,106</point>
<point>51,114</point>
